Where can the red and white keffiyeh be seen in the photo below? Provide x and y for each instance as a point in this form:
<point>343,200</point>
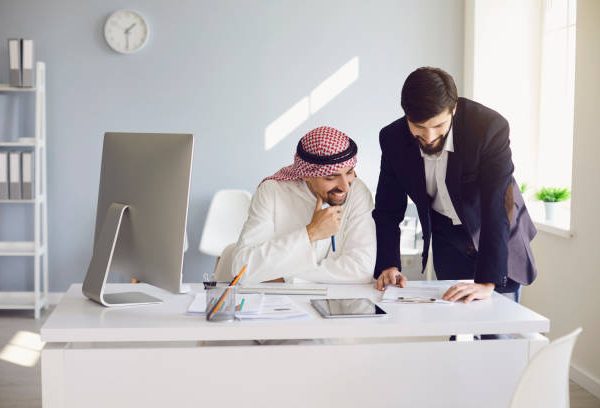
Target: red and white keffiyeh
<point>319,153</point>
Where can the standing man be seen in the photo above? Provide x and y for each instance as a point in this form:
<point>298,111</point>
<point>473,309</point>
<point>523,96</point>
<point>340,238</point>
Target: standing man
<point>452,157</point>
<point>310,221</point>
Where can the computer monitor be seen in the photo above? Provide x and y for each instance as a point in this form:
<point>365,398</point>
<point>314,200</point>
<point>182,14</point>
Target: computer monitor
<point>142,213</point>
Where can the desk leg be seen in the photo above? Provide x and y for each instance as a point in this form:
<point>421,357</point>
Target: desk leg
<point>53,376</point>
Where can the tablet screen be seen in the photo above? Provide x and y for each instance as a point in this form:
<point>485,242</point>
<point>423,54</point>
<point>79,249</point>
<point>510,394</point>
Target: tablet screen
<point>358,307</point>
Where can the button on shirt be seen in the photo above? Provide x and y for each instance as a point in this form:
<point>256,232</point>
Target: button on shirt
<point>435,180</point>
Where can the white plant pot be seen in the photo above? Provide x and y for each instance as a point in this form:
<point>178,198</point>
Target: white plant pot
<point>550,210</point>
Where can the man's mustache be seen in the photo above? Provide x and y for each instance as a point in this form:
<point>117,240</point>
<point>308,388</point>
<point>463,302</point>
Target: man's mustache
<point>424,143</point>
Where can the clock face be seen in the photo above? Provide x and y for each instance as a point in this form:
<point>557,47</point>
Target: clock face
<point>126,31</point>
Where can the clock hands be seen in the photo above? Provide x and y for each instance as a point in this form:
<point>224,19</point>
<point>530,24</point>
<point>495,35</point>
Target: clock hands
<point>127,32</point>
<point>128,29</point>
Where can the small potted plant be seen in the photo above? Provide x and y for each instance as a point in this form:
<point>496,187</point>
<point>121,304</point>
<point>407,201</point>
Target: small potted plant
<point>551,196</point>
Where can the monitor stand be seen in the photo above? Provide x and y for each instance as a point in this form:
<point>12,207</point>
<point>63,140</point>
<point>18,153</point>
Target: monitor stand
<point>97,273</point>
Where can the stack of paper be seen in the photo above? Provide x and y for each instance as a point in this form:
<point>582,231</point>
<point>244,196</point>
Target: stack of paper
<point>422,293</point>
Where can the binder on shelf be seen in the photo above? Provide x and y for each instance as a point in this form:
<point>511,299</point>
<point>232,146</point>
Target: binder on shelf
<point>3,176</point>
<point>27,176</point>
<point>14,175</point>
<point>14,61</point>
<point>26,63</point>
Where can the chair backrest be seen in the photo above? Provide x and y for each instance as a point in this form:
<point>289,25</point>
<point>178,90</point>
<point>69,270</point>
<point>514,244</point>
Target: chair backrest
<point>545,380</point>
<point>226,216</point>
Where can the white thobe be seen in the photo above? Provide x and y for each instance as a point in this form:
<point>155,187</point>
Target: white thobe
<point>274,242</point>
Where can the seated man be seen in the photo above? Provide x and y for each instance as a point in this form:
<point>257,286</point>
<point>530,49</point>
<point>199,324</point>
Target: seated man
<point>295,213</point>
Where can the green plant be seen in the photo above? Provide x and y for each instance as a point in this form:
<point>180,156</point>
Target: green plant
<point>523,187</point>
<point>553,194</point>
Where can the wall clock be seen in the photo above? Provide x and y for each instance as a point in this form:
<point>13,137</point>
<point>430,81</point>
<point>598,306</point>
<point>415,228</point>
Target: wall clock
<point>126,31</point>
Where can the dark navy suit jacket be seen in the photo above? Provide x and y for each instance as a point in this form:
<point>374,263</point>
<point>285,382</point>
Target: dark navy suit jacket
<point>483,191</point>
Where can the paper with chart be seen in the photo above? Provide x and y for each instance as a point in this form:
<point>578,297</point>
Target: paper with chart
<point>418,292</point>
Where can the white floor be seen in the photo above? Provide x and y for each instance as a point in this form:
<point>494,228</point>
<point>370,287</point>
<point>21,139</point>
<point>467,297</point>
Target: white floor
<point>20,368</point>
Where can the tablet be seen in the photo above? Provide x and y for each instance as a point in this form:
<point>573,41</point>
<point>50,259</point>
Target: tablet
<point>357,307</point>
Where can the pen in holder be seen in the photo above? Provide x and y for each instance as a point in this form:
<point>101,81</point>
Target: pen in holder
<point>225,298</point>
<point>226,312</point>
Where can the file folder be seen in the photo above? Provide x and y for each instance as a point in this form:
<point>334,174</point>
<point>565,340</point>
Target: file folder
<point>14,61</point>
<point>3,176</point>
<point>27,179</point>
<point>14,175</point>
<point>27,63</point>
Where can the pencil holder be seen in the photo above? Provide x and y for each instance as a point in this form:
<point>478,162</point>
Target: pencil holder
<point>220,303</point>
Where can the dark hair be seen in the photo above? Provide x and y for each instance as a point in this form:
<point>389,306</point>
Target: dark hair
<point>426,93</point>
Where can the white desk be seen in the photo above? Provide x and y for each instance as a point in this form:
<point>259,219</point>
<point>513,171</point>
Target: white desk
<point>150,356</point>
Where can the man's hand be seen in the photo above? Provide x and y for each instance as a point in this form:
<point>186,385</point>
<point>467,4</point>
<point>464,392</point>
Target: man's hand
<point>325,222</point>
<point>390,276</point>
<point>469,291</point>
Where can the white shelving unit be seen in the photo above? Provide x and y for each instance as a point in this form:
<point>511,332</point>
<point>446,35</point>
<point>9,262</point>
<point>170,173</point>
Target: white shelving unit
<point>37,299</point>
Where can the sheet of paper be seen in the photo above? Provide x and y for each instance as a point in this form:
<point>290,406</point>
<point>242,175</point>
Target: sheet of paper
<point>417,292</point>
<point>275,307</point>
<point>252,303</point>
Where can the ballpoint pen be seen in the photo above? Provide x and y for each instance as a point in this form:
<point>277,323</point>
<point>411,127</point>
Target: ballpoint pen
<point>406,299</point>
<point>333,243</point>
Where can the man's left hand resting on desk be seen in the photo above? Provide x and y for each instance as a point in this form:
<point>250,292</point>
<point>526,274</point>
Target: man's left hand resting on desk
<point>468,292</point>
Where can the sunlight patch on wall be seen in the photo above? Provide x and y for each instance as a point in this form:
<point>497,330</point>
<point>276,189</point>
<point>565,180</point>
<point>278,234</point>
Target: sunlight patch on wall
<point>320,96</point>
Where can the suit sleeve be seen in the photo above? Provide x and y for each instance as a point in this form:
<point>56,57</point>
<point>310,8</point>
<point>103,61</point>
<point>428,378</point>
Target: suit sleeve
<point>390,207</point>
<point>495,174</point>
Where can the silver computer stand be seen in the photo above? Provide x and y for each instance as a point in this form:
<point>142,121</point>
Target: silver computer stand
<point>97,273</point>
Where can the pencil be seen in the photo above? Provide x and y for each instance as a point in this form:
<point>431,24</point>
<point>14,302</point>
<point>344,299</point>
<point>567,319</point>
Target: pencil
<point>221,300</point>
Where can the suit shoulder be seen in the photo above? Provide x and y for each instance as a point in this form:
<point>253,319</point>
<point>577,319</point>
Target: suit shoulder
<point>393,127</point>
<point>485,114</point>
<point>392,132</point>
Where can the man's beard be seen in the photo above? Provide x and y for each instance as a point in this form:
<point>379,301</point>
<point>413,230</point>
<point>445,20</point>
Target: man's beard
<point>330,200</point>
<point>438,144</point>
<point>434,148</point>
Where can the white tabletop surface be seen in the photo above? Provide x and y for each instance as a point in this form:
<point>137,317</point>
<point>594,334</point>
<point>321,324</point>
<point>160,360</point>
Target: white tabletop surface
<point>77,319</point>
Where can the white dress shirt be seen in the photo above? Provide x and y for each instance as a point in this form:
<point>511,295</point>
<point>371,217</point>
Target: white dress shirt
<point>274,242</point>
<point>435,180</point>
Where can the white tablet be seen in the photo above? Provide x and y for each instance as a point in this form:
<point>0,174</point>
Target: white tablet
<point>357,307</point>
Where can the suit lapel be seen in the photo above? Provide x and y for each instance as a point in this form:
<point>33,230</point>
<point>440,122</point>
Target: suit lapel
<point>454,166</point>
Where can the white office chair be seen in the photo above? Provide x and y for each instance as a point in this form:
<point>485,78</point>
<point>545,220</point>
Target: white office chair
<point>226,216</point>
<point>545,381</point>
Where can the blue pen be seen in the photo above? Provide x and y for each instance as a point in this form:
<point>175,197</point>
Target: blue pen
<point>333,243</point>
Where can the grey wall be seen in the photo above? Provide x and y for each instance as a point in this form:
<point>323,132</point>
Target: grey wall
<point>222,70</point>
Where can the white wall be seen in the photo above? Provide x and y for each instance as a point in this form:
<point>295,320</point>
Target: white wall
<point>221,69</point>
<point>568,286</point>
